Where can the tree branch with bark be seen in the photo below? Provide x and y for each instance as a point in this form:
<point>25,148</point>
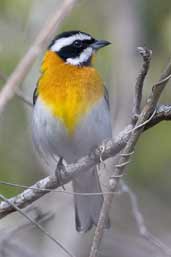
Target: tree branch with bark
<point>133,137</point>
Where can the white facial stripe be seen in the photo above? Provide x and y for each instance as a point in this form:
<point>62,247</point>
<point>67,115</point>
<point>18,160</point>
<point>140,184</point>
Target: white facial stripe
<point>62,42</point>
<point>84,56</point>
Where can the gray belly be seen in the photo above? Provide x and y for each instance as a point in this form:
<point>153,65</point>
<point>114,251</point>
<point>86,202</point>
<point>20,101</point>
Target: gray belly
<point>52,140</point>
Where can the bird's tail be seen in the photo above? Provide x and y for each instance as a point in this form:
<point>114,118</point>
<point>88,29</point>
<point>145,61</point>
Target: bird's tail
<point>87,207</point>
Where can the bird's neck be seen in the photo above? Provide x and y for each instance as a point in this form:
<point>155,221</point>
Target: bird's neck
<point>68,91</point>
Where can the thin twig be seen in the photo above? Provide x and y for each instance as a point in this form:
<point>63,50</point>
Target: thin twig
<point>163,112</point>
<point>6,183</point>
<point>119,171</point>
<point>140,221</point>
<point>37,225</point>
<point>146,54</point>
<point>163,80</point>
<point>42,40</point>
<point>142,125</point>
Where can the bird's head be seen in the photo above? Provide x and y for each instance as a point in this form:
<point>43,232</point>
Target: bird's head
<point>76,47</point>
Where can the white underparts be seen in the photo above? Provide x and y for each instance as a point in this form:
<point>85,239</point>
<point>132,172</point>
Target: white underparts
<point>66,41</point>
<point>83,58</point>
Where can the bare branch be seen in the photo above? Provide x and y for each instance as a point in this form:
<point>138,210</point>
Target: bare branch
<point>38,226</point>
<point>163,113</point>
<point>7,183</point>
<point>146,54</point>
<point>140,221</point>
<point>119,171</point>
<point>27,61</point>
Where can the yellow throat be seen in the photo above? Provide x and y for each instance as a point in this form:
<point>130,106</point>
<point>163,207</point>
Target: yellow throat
<point>68,91</point>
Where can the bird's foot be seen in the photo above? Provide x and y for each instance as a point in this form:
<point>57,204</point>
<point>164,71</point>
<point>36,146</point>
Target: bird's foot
<point>60,171</point>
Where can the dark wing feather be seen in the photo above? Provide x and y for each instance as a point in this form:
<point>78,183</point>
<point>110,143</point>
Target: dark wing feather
<point>106,97</point>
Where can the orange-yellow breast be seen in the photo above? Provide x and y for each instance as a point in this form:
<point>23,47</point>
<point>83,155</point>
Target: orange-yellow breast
<point>68,91</point>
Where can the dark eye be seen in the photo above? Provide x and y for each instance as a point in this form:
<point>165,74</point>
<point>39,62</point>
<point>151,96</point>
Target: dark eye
<point>78,43</point>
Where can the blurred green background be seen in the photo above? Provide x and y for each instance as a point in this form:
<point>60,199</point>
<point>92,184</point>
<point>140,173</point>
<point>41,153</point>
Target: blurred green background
<point>127,24</point>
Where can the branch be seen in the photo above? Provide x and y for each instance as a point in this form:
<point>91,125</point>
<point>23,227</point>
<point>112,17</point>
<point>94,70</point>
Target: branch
<point>124,159</point>
<point>146,54</point>
<point>163,112</point>
<point>27,61</point>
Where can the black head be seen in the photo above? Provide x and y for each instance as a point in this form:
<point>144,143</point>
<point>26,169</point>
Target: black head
<point>76,47</point>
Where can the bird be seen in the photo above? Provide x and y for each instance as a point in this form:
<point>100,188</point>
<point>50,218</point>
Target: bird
<point>71,115</point>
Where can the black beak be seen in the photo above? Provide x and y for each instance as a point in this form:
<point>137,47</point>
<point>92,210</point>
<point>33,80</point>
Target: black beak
<point>99,44</point>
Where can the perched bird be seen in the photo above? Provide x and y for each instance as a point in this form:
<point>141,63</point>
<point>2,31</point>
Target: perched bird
<point>71,114</point>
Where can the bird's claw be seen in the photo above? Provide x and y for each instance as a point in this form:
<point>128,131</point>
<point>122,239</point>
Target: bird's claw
<point>59,171</point>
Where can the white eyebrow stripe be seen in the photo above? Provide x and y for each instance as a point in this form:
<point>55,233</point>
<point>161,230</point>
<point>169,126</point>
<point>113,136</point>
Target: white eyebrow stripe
<point>84,56</point>
<point>62,42</point>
